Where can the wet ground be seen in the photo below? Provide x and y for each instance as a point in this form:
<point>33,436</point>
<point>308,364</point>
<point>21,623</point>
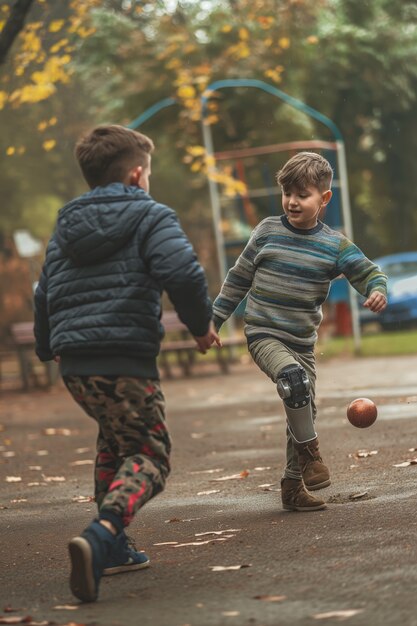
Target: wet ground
<point>354,562</point>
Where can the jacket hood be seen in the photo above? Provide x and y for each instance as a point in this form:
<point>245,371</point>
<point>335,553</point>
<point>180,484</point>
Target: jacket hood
<point>97,224</point>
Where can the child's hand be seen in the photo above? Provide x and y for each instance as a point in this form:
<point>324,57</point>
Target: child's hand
<point>205,342</point>
<point>376,302</point>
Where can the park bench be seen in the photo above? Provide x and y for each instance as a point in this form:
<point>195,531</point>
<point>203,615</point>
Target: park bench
<point>23,341</point>
<point>179,341</point>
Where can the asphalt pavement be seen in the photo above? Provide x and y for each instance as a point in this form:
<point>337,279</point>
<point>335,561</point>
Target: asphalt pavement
<point>222,550</point>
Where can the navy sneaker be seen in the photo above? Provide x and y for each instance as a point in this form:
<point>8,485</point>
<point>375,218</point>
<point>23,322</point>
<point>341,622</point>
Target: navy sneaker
<point>125,557</point>
<point>89,553</point>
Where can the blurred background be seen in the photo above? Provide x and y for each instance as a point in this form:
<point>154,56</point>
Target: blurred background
<point>67,66</point>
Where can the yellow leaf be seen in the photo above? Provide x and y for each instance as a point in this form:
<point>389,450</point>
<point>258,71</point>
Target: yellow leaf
<point>186,91</point>
<point>3,99</point>
<point>57,46</point>
<point>196,150</point>
<point>211,119</point>
<point>312,39</point>
<point>243,34</point>
<point>10,150</point>
<point>53,121</point>
<point>42,126</point>
<point>284,43</point>
<point>21,150</point>
<point>226,28</point>
<point>56,25</point>
<point>49,144</point>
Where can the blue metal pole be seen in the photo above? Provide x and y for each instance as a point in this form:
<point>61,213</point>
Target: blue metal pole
<point>146,115</point>
<point>259,84</point>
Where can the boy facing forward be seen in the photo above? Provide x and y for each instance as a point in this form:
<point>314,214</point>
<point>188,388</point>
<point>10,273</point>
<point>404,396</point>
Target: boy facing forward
<point>285,270</point>
<point>98,309</point>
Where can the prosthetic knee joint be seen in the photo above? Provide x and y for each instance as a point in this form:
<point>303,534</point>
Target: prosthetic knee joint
<point>294,388</point>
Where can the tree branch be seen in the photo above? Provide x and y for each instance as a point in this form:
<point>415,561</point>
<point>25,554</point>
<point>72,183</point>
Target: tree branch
<point>13,26</point>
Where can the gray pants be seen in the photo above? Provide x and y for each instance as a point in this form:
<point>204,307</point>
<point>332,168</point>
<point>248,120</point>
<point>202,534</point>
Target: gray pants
<point>271,356</point>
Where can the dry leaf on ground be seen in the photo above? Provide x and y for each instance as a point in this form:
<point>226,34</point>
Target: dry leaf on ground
<point>339,615</point>
<point>225,568</point>
<point>267,598</point>
<point>406,463</point>
<point>363,454</point>
<point>218,532</point>
<point>202,543</point>
<point>243,474</point>
<point>58,431</point>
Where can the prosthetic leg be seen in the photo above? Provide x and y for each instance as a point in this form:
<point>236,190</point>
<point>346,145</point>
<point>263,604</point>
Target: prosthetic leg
<point>294,388</point>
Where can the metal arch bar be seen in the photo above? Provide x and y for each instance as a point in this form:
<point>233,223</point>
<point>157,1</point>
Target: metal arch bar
<point>146,115</point>
<point>260,84</point>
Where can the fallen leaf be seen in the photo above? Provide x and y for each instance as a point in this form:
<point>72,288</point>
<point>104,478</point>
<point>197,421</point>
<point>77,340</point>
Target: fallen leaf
<point>15,619</point>
<point>363,454</point>
<point>166,543</point>
<point>9,454</point>
<point>83,462</point>
<point>230,613</point>
<point>198,435</point>
<point>177,519</point>
<point>209,471</point>
<point>356,496</point>
<point>270,598</point>
<point>82,499</point>
<point>54,479</point>
<point>66,607</point>
<point>57,431</point>
<point>35,468</point>
<point>340,615</point>
<point>243,474</point>
<point>209,492</point>
<point>82,450</point>
<point>42,452</point>
<point>202,543</point>
<point>218,532</point>
<point>13,479</point>
<point>19,500</point>
<point>261,469</point>
<point>406,463</point>
<point>225,568</point>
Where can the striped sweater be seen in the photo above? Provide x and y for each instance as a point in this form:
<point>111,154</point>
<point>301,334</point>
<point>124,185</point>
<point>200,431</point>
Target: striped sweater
<point>286,274</point>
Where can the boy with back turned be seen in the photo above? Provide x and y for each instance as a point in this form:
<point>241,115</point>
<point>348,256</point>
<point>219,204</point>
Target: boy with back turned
<point>285,270</point>
<point>98,311</point>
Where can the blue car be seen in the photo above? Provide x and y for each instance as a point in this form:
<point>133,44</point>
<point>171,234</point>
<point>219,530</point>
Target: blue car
<point>401,310</point>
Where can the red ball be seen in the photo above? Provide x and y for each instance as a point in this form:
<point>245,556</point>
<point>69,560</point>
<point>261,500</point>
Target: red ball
<point>362,412</point>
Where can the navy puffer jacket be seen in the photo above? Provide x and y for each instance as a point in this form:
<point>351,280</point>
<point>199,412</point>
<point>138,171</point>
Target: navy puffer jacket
<point>113,252</point>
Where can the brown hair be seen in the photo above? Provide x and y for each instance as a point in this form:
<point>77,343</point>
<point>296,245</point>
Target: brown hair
<point>108,152</point>
<point>305,169</point>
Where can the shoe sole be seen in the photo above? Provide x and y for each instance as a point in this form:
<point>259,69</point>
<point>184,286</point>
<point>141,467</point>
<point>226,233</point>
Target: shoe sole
<point>121,569</point>
<point>322,485</point>
<point>304,509</point>
<point>82,581</point>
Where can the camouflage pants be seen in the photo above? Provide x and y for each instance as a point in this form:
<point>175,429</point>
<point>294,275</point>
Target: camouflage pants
<point>133,443</point>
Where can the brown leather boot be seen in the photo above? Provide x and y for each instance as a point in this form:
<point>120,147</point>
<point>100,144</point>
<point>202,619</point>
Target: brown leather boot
<point>295,497</point>
<point>315,474</point>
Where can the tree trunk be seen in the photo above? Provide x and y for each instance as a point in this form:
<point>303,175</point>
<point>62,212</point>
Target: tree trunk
<point>13,26</point>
